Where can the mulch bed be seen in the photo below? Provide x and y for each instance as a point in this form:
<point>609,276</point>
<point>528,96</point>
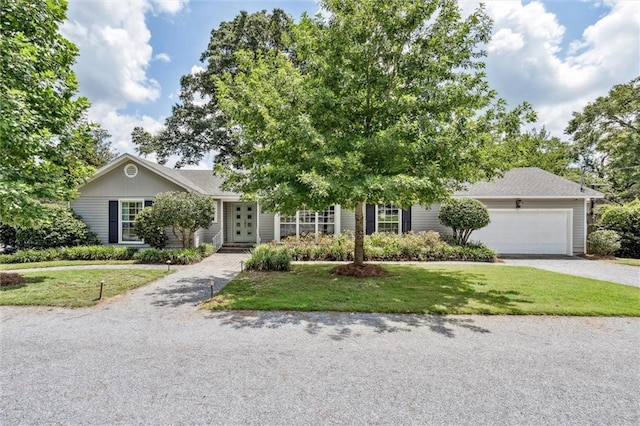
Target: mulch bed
<point>359,271</point>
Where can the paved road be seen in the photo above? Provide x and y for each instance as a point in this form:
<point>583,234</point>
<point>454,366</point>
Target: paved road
<point>151,357</point>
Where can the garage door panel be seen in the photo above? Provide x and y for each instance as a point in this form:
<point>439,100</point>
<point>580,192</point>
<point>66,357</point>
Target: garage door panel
<point>527,231</point>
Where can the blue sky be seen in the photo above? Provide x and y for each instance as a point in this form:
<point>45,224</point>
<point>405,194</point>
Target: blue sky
<point>556,54</point>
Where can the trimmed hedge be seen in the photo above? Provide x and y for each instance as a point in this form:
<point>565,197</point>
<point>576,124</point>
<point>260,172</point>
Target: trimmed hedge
<point>625,220</point>
<point>603,242</point>
<point>177,256</point>
<point>421,246</point>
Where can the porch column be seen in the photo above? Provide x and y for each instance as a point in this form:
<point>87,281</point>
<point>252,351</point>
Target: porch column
<point>221,221</point>
<point>257,223</point>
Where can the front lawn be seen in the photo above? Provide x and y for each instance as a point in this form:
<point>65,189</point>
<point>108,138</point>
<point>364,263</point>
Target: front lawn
<point>75,288</point>
<point>435,289</point>
<point>626,261</point>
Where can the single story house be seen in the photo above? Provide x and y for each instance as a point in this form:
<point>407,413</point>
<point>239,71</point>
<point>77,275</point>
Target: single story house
<point>532,211</point>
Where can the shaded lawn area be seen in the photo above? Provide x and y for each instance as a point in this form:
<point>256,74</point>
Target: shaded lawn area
<point>75,288</point>
<point>434,289</point>
<point>51,263</point>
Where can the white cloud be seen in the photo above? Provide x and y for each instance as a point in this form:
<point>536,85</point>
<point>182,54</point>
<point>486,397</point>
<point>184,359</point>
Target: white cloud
<point>162,57</point>
<point>115,53</point>
<point>526,61</point>
<point>196,69</point>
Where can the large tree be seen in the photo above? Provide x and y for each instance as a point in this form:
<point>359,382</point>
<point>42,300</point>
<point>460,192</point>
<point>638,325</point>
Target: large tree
<point>384,102</point>
<point>607,138</point>
<point>196,125</point>
<point>40,157</point>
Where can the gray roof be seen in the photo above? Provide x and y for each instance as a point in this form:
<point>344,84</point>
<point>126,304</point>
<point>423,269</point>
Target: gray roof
<point>529,182</point>
<point>209,183</point>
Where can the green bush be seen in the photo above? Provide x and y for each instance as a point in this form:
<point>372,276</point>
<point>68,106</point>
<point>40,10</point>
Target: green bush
<point>177,256</point>
<point>269,258</point>
<point>7,235</point>
<point>149,228</point>
<point>603,242</point>
<point>62,228</point>
<point>463,216</point>
<point>625,220</point>
<point>421,246</point>
<point>31,255</point>
<point>206,249</point>
<point>97,253</point>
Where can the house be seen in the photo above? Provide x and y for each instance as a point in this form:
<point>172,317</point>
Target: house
<point>532,211</point>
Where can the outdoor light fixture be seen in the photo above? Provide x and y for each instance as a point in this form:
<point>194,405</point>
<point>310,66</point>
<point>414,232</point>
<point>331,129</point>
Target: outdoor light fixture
<point>168,265</point>
<point>518,203</point>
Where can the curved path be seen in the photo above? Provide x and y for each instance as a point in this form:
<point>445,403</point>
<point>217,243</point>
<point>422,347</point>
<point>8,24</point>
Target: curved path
<point>151,357</point>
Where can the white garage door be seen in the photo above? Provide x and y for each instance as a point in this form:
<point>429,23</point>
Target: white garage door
<point>528,231</point>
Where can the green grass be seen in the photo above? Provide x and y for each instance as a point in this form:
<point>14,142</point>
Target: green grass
<point>442,289</point>
<point>49,264</point>
<point>625,261</point>
<point>75,288</point>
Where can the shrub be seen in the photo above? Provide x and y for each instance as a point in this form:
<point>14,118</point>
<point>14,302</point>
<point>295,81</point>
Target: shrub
<point>8,279</point>
<point>98,253</point>
<point>176,256</point>
<point>206,249</point>
<point>268,258</point>
<point>31,255</point>
<point>463,216</point>
<point>625,220</point>
<point>62,228</point>
<point>7,235</point>
<point>604,242</point>
<point>149,228</point>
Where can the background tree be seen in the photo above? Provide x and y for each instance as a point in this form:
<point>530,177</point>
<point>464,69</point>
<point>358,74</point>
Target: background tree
<point>537,148</point>
<point>384,102</point>
<point>607,138</point>
<point>40,160</point>
<point>463,216</point>
<point>183,212</point>
<point>197,126</point>
<point>98,150</point>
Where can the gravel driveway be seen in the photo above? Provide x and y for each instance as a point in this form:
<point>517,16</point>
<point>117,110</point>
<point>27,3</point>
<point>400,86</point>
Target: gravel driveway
<point>150,357</point>
<point>598,269</point>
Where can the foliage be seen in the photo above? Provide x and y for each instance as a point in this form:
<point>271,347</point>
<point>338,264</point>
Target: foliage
<point>97,145</point>
<point>62,228</point>
<point>148,226</point>
<point>40,157</point>
<point>603,242</point>
<point>385,246</point>
<point>463,216</point>
<point>7,235</point>
<point>269,258</point>
<point>539,149</point>
<point>432,289</point>
<point>625,220</point>
<point>381,102</point>
<point>183,256</point>
<point>607,138</point>
<point>9,279</point>
<point>176,256</point>
<point>195,127</point>
<point>183,212</point>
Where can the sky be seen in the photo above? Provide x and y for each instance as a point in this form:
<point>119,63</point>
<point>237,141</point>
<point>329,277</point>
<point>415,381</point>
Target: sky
<point>557,55</point>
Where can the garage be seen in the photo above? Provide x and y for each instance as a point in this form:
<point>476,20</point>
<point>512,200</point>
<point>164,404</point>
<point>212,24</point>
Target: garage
<point>528,231</point>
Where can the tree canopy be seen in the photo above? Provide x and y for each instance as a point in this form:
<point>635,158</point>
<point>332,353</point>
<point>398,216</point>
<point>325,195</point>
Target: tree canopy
<point>196,125</point>
<point>382,102</point>
<point>41,147</point>
<point>606,134</point>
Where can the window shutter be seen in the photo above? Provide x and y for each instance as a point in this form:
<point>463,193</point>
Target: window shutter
<point>148,203</point>
<point>406,220</point>
<point>371,219</point>
<point>113,221</point>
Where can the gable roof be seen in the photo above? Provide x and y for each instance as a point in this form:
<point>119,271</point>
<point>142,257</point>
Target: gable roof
<point>529,182</point>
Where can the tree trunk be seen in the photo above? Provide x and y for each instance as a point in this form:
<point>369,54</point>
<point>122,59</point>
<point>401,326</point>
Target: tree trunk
<point>358,255</point>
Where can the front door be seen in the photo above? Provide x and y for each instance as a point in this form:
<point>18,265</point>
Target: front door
<point>243,227</point>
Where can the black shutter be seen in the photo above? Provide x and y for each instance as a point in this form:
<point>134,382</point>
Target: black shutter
<point>113,221</point>
<point>371,219</point>
<point>406,220</point>
<point>148,203</point>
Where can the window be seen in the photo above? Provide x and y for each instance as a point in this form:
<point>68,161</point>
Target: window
<point>129,209</point>
<point>308,221</point>
<point>388,218</point>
